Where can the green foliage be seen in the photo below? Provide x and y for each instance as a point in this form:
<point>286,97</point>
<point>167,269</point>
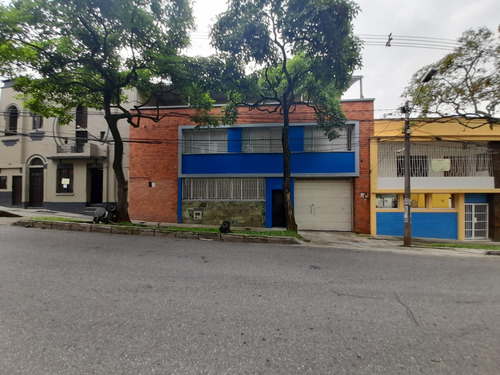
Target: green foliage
<point>301,52</point>
<point>62,53</point>
<point>277,54</point>
<point>467,84</point>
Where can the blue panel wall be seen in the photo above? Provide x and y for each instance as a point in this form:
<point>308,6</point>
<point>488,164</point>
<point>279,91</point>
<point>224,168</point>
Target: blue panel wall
<point>424,224</point>
<point>390,224</point>
<point>476,198</point>
<point>296,138</point>
<point>234,140</point>
<point>338,163</point>
<point>324,162</point>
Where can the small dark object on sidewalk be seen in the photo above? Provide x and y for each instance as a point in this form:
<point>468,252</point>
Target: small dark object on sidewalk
<point>225,227</point>
<point>106,214</point>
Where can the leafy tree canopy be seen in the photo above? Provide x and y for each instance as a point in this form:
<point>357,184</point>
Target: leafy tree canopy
<point>68,52</point>
<point>276,54</point>
<point>467,85</point>
<point>289,52</point>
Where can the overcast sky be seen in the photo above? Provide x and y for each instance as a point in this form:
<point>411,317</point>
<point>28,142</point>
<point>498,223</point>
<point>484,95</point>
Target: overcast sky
<point>387,70</point>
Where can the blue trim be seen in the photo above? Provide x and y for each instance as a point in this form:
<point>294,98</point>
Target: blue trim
<point>296,138</point>
<point>271,184</point>
<point>476,198</point>
<point>275,183</point>
<point>179,200</point>
<point>234,140</point>
<point>424,224</point>
<point>341,163</point>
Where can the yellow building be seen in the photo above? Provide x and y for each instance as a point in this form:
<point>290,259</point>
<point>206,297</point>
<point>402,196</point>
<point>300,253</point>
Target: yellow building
<point>455,180</point>
<point>60,167</point>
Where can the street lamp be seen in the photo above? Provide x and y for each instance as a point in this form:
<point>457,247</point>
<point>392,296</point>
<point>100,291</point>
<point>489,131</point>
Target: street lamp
<point>407,187</point>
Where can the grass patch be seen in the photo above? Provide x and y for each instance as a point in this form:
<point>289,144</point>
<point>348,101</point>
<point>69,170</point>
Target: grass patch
<point>268,233</point>
<point>461,245</point>
<point>61,219</point>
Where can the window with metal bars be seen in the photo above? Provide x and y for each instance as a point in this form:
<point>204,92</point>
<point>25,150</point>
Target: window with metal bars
<point>204,141</point>
<point>315,140</point>
<point>261,140</point>
<point>223,189</point>
<point>418,166</point>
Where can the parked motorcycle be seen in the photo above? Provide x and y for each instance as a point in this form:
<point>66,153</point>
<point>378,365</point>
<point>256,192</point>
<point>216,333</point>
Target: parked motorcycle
<point>106,214</point>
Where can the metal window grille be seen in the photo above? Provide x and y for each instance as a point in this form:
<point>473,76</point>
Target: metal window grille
<point>223,189</point>
<point>315,140</point>
<point>466,160</point>
<point>204,141</point>
<point>261,140</point>
<point>418,166</point>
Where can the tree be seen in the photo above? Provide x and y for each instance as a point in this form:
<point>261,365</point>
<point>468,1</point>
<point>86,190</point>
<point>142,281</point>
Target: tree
<point>64,53</point>
<point>281,53</point>
<point>466,88</point>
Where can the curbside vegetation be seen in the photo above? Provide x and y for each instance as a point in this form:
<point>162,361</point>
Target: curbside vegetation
<point>204,234</point>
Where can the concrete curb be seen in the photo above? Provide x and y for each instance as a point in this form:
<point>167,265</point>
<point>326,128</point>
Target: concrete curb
<point>156,232</point>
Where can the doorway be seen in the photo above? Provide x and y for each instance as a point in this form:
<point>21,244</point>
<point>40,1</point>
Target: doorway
<point>279,217</point>
<point>36,187</point>
<point>476,221</point>
<point>95,174</point>
<point>17,190</point>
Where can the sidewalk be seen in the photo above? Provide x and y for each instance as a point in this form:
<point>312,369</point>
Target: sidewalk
<point>342,240</point>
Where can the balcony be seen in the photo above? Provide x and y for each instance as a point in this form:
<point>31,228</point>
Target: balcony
<point>76,150</point>
<point>444,165</point>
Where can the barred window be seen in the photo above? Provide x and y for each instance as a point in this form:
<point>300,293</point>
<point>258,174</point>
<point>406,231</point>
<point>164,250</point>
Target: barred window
<point>224,189</point>
<point>418,166</point>
<point>315,140</point>
<point>13,116</point>
<point>65,181</point>
<point>204,141</point>
<point>261,140</point>
<point>37,121</point>
<point>484,163</point>
<point>387,201</point>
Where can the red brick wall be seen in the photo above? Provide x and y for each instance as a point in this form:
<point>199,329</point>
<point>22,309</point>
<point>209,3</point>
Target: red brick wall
<point>363,112</point>
<point>154,159</point>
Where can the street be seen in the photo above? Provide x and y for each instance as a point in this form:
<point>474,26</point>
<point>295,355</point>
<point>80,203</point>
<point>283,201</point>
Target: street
<point>91,303</point>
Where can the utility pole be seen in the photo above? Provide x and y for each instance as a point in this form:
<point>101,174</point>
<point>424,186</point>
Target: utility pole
<point>407,184</point>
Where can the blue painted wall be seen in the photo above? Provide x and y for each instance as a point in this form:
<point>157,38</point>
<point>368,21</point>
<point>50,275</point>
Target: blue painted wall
<point>476,198</point>
<point>424,224</point>
<point>234,140</point>
<point>306,162</point>
<point>296,137</point>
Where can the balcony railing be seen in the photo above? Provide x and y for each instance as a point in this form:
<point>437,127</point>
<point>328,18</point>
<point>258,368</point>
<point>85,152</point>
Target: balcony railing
<point>444,159</point>
<point>81,149</point>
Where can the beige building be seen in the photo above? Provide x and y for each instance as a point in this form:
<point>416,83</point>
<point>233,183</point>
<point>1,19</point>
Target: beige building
<point>59,167</point>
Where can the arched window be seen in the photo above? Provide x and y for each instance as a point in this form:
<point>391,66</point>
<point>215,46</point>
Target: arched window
<point>12,117</point>
<point>37,121</point>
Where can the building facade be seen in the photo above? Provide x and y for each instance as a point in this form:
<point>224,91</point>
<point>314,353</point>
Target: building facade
<point>179,173</point>
<point>454,174</point>
<point>60,167</point>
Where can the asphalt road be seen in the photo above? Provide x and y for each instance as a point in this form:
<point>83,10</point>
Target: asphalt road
<point>90,303</point>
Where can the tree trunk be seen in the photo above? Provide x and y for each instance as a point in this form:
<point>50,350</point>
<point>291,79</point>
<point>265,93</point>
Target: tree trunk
<point>121,181</point>
<point>291,225</point>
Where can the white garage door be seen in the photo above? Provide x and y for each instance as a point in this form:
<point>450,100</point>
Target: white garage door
<point>323,204</point>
